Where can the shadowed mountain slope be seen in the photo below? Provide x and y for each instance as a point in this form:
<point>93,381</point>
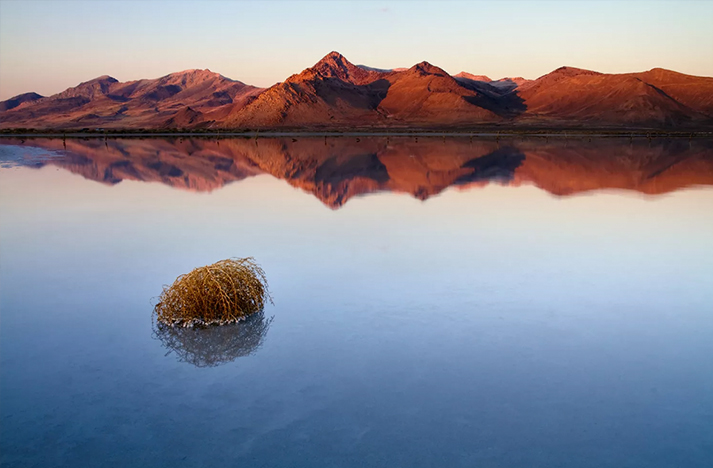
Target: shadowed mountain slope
<point>18,100</point>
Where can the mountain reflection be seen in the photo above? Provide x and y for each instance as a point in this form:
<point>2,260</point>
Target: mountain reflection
<point>214,345</point>
<point>335,169</point>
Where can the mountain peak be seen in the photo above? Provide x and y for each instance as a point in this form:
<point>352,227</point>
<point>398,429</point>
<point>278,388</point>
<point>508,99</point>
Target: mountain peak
<point>195,72</point>
<point>194,77</point>
<point>16,101</point>
<point>108,78</point>
<point>333,55</point>
<point>31,96</point>
<point>663,72</point>
<point>90,89</point>
<point>335,65</point>
<point>572,71</point>
<point>331,62</point>
<point>426,68</point>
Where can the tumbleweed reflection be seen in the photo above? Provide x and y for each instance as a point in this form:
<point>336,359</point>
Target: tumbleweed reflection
<point>214,345</point>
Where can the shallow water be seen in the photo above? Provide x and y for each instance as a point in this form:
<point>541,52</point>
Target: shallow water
<point>495,303</point>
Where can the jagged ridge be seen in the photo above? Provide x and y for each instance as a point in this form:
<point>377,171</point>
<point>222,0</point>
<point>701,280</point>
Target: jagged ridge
<point>334,93</point>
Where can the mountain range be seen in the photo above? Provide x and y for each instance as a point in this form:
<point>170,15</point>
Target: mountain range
<point>337,169</point>
<point>335,94</point>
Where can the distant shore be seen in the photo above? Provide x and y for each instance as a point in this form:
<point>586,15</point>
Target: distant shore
<point>376,132</point>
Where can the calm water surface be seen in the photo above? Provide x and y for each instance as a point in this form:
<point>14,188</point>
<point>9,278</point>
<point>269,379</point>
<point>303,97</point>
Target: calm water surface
<point>487,303</point>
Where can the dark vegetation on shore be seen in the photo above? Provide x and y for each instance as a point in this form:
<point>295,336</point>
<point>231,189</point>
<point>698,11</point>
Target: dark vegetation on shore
<point>305,132</point>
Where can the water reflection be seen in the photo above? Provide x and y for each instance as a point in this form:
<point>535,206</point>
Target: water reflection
<point>336,169</point>
<point>216,345</point>
<point>482,328</point>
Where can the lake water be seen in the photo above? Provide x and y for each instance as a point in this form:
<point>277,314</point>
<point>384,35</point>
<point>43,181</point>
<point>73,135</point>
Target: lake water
<point>438,303</point>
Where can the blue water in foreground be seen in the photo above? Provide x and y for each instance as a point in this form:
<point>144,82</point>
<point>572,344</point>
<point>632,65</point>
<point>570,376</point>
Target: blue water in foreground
<point>490,327</point>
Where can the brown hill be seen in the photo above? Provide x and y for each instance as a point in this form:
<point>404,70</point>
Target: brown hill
<point>426,95</point>
<point>107,103</point>
<point>18,100</point>
<point>696,92</point>
<point>582,96</point>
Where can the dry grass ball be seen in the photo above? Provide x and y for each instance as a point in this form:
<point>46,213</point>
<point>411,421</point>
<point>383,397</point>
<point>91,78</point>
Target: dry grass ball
<point>225,292</point>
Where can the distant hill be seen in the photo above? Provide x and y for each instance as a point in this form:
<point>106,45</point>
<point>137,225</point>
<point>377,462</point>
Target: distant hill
<point>336,94</point>
<point>107,103</point>
<point>18,100</point>
<point>470,76</point>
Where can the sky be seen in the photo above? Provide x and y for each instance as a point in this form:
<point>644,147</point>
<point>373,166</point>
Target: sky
<point>48,46</point>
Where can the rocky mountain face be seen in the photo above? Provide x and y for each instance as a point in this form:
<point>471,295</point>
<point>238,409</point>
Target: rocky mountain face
<point>336,94</point>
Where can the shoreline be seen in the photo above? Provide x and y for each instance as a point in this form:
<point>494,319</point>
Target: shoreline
<point>480,133</point>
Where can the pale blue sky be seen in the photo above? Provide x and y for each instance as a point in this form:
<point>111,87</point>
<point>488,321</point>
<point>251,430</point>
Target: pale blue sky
<point>47,46</point>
